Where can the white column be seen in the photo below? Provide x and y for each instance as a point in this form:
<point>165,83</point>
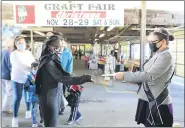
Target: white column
<point>142,32</point>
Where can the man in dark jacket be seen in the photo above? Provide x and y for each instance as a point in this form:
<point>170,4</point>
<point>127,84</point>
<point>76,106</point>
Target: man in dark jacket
<point>6,78</point>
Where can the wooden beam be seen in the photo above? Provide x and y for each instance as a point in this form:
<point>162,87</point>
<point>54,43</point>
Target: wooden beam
<point>71,30</point>
<point>41,29</point>
<point>79,41</point>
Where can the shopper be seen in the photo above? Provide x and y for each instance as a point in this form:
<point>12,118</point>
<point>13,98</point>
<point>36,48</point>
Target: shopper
<point>66,60</point>
<point>49,74</point>
<point>6,77</point>
<point>80,54</point>
<point>21,61</point>
<point>73,99</point>
<point>30,89</point>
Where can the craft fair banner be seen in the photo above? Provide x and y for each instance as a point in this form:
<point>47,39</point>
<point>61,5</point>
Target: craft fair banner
<point>63,13</point>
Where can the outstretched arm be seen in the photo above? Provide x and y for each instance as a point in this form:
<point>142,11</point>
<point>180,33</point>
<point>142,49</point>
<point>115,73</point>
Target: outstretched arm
<point>57,74</point>
<point>161,65</point>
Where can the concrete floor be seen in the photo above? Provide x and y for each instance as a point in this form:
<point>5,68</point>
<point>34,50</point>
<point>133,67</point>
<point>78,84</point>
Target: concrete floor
<point>103,106</point>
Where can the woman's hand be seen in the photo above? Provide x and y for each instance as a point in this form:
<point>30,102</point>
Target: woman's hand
<point>88,78</point>
<point>119,75</point>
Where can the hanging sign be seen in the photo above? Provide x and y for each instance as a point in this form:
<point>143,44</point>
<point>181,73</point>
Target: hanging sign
<point>77,13</point>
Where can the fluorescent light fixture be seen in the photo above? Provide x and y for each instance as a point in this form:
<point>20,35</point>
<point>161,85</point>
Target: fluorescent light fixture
<point>40,33</point>
<point>110,28</point>
<point>102,35</point>
<point>24,35</point>
<point>102,28</point>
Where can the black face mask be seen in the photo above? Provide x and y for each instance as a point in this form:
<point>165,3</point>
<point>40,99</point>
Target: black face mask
<point>56,50</point>
<point>153,47</point>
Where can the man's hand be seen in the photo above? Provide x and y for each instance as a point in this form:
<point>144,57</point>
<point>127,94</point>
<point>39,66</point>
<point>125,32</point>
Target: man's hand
<point>119,75</point>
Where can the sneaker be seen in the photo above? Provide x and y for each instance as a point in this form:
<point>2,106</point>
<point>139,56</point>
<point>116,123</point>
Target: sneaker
<point>34,125</point>
<point>69,122</point>
<point>28,115</point>
<point>61,111</point>
<point>42,124</point>
<point>78,118</point>
<point>15,122</point>
<point>9,112</point>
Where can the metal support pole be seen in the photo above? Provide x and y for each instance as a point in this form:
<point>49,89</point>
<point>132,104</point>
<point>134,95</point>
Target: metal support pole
<point>176,57</point>
<point>31,37</point>
<point>142,33</point>
<point>130,52</point>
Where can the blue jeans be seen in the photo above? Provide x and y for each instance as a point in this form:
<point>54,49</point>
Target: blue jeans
<point>18,90</point>
<point>34,112</point>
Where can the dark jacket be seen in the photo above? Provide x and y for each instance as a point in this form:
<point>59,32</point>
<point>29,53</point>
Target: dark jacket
<point>50,72</point>
<point>73,97</point>
<point>6,65</point>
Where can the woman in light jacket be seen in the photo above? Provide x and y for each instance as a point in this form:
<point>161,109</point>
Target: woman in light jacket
<point>21,60</point>
<point>155,104</point>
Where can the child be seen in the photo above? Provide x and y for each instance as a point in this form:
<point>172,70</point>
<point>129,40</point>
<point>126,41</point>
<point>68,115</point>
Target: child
<point>30,91</point>
<point>73,99</point>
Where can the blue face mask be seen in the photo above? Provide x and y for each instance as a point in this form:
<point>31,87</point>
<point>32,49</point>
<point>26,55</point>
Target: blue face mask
<point>21,47</point>
<point>34,72</point>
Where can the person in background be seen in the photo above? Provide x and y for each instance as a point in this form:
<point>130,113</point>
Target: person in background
<point>49,74</point>
<point>80,53</point>
<point>6,76</point>
<point>155,103</point>
<point>110,67</point>
<point>66,60</point>
<point>67,64</point>
<point>66,57</point>
<point>21,60</point>
<point>76,54</point>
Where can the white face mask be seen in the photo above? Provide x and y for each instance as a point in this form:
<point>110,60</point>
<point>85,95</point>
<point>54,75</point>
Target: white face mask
<point>21,47</point>
<point>34,71</point>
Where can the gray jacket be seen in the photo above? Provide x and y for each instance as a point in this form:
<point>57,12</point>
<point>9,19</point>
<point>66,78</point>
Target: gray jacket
<point>157,71</point>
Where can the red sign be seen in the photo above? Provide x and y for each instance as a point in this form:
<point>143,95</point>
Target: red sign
<point>78,14</point>
<point>25,14</point>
